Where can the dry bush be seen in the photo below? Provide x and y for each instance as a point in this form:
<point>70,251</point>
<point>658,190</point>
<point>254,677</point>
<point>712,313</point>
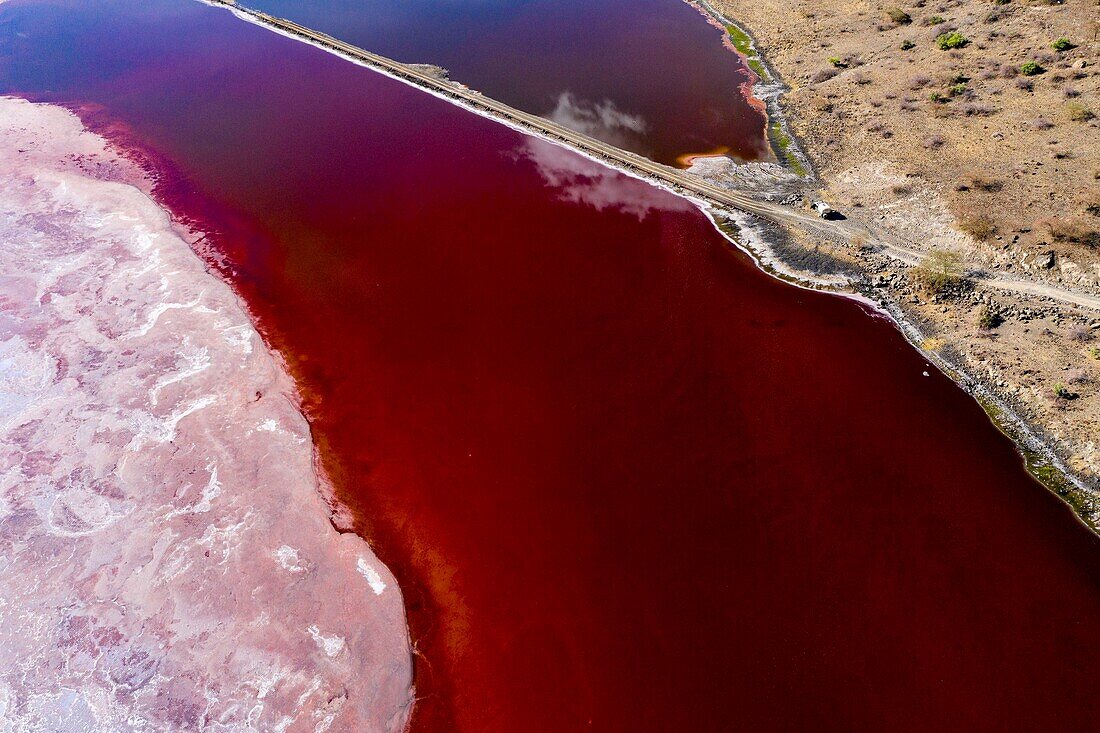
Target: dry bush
<point>933,141</point>
<point>1079,112</point>
<point>989,318</point>
<point>979,180</point>
<point>1090,202</point>
<point>1079,332</point>
<point>823,75</point>
<point>1077,376</point>
<point>1041,123</point>
<point>1073,231</point>
<point>978,226</point>
<point>898,16</point>
<point>979,110</point>
<point>903,188</point>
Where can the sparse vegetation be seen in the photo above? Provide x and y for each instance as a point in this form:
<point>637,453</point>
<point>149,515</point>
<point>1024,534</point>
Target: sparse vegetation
<point>1062,392</point>
<point>907,44</point>
<point>1062,44</point>
<point>743,43</point>
<point>939,270</point>
<point>934,20</point>
<point>1031,68</point>
<point>837,62</point>
<point>783,144</point>
<point>948,41</point>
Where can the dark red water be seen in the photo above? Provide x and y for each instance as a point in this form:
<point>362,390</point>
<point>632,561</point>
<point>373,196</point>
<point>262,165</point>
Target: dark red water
<point>647,75</point>
<point>626,481</point>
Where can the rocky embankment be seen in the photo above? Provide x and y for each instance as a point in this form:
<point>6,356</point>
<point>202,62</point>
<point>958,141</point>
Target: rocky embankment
<point>970,128</point>
<point>167,562</point>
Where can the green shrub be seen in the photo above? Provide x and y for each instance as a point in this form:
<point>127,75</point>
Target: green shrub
<point>936,97</point>
<point>1062,44</point>
<point>1031,68</point>
<point>954,39</point>
<point>957,89</point>
<point>837,62</point>
<point>907,44</point>
<point>899,16</point>
<point>934,20</point>
<point>939,270</point>
<point>1063,392</point>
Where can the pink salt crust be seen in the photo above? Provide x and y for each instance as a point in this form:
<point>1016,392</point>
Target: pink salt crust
<point>166,559</point>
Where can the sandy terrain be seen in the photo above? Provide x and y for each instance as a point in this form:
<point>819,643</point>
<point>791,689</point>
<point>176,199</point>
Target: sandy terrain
<point>962,150</point>
<point>167,562</point>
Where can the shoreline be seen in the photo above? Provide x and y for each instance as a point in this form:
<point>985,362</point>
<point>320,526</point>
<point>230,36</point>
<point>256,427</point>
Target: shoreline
<point>1038,454</point>
<point>194,588</point>
<point>768,89</point>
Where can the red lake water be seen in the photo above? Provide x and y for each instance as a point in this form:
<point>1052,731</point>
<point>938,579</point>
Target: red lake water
<point>626,480</point>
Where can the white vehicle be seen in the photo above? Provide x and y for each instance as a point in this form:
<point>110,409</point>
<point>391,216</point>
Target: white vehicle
<point>823,209</point>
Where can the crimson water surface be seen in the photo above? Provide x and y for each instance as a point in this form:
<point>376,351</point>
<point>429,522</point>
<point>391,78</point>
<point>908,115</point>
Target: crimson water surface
<point>626,481</point>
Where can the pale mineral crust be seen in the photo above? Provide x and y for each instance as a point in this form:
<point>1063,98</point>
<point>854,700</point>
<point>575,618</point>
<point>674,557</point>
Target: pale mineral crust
<point>167,561</point>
